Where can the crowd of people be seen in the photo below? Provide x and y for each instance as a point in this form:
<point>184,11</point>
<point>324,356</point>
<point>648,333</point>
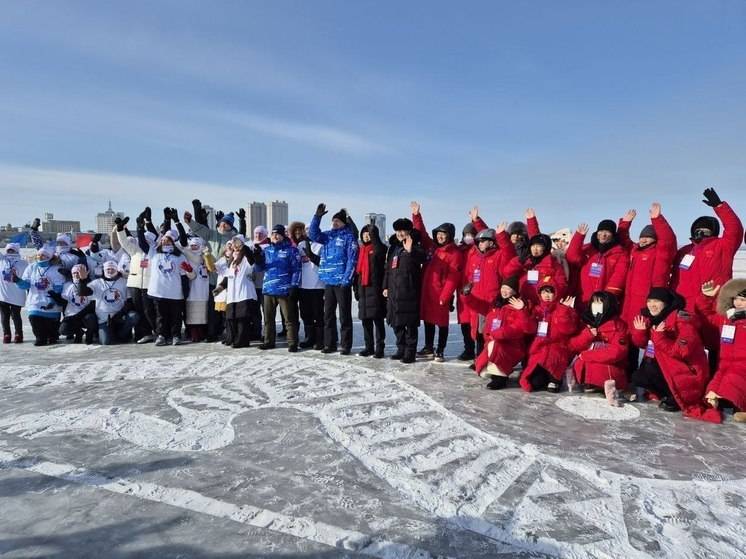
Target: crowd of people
<point>636,320</point>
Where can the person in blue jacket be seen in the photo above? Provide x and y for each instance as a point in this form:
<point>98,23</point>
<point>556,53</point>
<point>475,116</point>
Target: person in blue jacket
<point>338,259</point>
<point>282,268</point>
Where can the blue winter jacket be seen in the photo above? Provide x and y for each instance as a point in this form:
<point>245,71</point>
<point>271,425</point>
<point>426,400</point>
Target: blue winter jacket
<point>281,268</point>
<point>338,255</point>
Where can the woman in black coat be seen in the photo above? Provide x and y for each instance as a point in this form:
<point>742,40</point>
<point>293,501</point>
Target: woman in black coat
<point>368,286</point>
<point>402,285</point>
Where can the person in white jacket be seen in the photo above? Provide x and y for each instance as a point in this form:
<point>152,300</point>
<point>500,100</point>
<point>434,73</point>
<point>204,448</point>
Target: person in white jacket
<point>111,317</point>
<point>12,297</point>
<point>197,252</point>
<point>220,297</point>
<point>167,267</point>
<point>77,307</point>
<point>241,294</point>
<point>139,274</point>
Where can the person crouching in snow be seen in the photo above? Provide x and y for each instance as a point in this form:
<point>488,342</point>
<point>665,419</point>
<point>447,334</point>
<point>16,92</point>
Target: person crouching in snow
<point>602,345</point>
<point>728,386</point>
<point>440,279</point>
<point>112,318</point>
<point>506,329</point>
<point>674,365</point>
<point>549,354</point>
<point>402,287</point>
<point>197,252</point>
<point>39,279</point>
<point>167,266</point>
<point>77,307</point>
<point>12,297</point>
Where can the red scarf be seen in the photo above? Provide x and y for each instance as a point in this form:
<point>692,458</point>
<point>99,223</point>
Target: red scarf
<point>363,264</point>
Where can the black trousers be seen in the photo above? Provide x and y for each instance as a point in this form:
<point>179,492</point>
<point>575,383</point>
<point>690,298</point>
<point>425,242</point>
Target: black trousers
<point>468,340</point>
<point>650,377</point>
<point>256,333</point>
<point>45,329</point>
<point>75,326</point>
<point>380,337</point>
<point>8,312</point>
<point>168,313</point>
<point>540,378</point>
<point>143,305</point>
<point>406,339</point>
<point>430,337</point>
<point>311,303</point>
<point>215,319</point>
<point>338,295</point>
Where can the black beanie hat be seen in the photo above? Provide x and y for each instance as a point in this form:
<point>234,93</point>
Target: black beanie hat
<point>543,240</point>
<point>649,231</point>
<point>518,228</point>
<point>511,282</point>
<point>403,224</point>
<point>706,222</point>
<point>607,225</point>
<point>661,294</point>
<point>341,215</point>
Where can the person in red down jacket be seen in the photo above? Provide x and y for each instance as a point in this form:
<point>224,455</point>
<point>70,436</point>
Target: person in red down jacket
<point>549,353</point>
<point>650,264</point>
<point>602,263</point>
<point>536,267</point>
<point>601,345</point>
<point>482,276</point>
<point>440,279</point>
<point>728,387</point>
<point>506,329</point>
<point>674,365</point>
<point>467,246</point>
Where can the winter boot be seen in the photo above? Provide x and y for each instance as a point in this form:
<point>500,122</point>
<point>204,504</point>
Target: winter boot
<point>668,404</point>
<point>18,339</point>
<point>466,355</point>
<point>425,352</point>
<point>306,344</point>
<point>330,349</point>
<point>439,357</point>
<point>266,346</point>
<point>293,348</point>
<point>146,339</point>
<point>408,358</point>
<point>6,339</point>
<point>367,352</point>
<point>398,356</point>
<point>553,387</point>
<point>159,341</point>
<point>497,382</point>
<point>379,353</point>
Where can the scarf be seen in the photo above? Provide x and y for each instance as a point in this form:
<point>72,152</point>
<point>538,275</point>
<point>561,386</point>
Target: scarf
<point>363,264</point>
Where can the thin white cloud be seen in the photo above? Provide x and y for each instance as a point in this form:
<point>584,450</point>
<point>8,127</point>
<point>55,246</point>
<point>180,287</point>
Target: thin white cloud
<point>320,136</point>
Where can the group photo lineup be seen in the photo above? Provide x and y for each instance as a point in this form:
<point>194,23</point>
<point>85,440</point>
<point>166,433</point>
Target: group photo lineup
<point>405,281</point>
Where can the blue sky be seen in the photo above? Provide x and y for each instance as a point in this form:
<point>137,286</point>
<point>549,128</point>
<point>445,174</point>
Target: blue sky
<point>579,109</point>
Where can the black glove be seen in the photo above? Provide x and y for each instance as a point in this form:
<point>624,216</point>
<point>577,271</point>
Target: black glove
<point>711,198</point>
<point>218,216</point>
<point>166,215</point>
<point>175,215</point>
<point>36,224</point>
<point>200,214</point>
<point>148,214</point>
<point>241,213</point>
<point>321,210</point>
<point>120,223</point>
<point>140,222</point>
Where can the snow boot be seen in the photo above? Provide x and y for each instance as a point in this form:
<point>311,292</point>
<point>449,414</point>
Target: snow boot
<point>18,339</point>
<point>497,382</point>
<point>160,341</point>
<point>466,355</point>
<point>6,339</point>
<point>553,387</point>
<point>425,352</point>
<point>668,404</point>
<point>439,357</point>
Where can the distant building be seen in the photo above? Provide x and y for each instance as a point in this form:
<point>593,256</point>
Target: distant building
<point>105,220</point>
<point>257,216</point>
<point>379,220</point>
<point>210,216</point>
<point>277,213</point>
<point>51,225</point>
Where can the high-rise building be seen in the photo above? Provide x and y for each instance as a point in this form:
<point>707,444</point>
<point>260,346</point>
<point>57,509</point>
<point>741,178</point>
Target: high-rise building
<point>210,216</point>
<point>105,220</point>
<point>277,213</point>
<point>257,215</point>
<point>51,225</point>
<point>379,220</point>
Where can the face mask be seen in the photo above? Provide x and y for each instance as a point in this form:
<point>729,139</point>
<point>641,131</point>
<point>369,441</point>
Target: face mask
<point>110,273</point>
<point>44,263</point>
<point>168,249</point>
<point>468,240</point>
<point>597,308</point>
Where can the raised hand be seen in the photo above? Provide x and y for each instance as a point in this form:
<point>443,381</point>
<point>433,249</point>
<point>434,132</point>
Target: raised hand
<point>583,229</point>
<point>415,207</point>
<point>501,228</point>
<point>709,289</point>
<point>568,302</point>
<point>630,215</point>
<point>407,243</point>
<point>166,214</point>
<point>174,215</point>
<point>36,224</point>
<point>321,210</point>
<point>148,214</point>
<point>530,213</point>
<point>218,215</point>
<point>639,323</point>
<point>241,213</point>
<point>187,217</point>
<point>655,210</point>
<point>474,213</point>
<point>516,303</point>
<point>711,198</point>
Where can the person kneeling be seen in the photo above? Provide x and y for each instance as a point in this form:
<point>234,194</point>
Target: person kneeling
<point>602,346</point>
<point>674,365</point>
<point>549,354</point>
<point>505,330</point>
<point>113,320</point>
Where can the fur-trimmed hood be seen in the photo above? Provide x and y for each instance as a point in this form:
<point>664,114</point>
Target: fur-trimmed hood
<point>728,292</point>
